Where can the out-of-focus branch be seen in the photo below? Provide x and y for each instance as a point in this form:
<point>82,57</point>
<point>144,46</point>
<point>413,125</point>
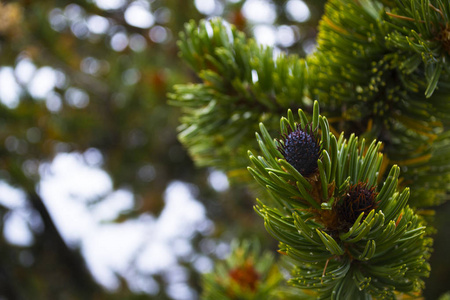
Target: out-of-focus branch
<point>51,241</point>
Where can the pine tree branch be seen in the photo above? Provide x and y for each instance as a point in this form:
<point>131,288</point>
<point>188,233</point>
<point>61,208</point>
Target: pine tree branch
<point>378,87</point>
<point>79,275</point>
<point>242,84</point>
<point>71,262</point>
<point>348,235</point>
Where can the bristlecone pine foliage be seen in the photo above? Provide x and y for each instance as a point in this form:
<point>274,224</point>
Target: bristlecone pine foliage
<point>242,85</point>
<point>381,72</point>
<point>350,235</point>
<point>246,274</point>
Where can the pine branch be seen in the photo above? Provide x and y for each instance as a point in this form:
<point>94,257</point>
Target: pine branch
<point>248,273</point>
<point>349,235</point>
<point>421,33</point>
<point>378,88</point>
<point>365,90</point>
<point>379,71</point>
<point>430,175</point>
<point>245,274</point>
<point>242,84</point>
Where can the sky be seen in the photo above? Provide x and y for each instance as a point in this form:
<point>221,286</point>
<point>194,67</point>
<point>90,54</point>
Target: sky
<point>146,244</point>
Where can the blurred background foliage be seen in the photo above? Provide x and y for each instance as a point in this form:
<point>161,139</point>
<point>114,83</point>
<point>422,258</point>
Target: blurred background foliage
<point>90,78</point>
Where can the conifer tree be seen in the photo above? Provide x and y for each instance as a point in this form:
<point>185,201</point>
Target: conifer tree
<point>345,190</point>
